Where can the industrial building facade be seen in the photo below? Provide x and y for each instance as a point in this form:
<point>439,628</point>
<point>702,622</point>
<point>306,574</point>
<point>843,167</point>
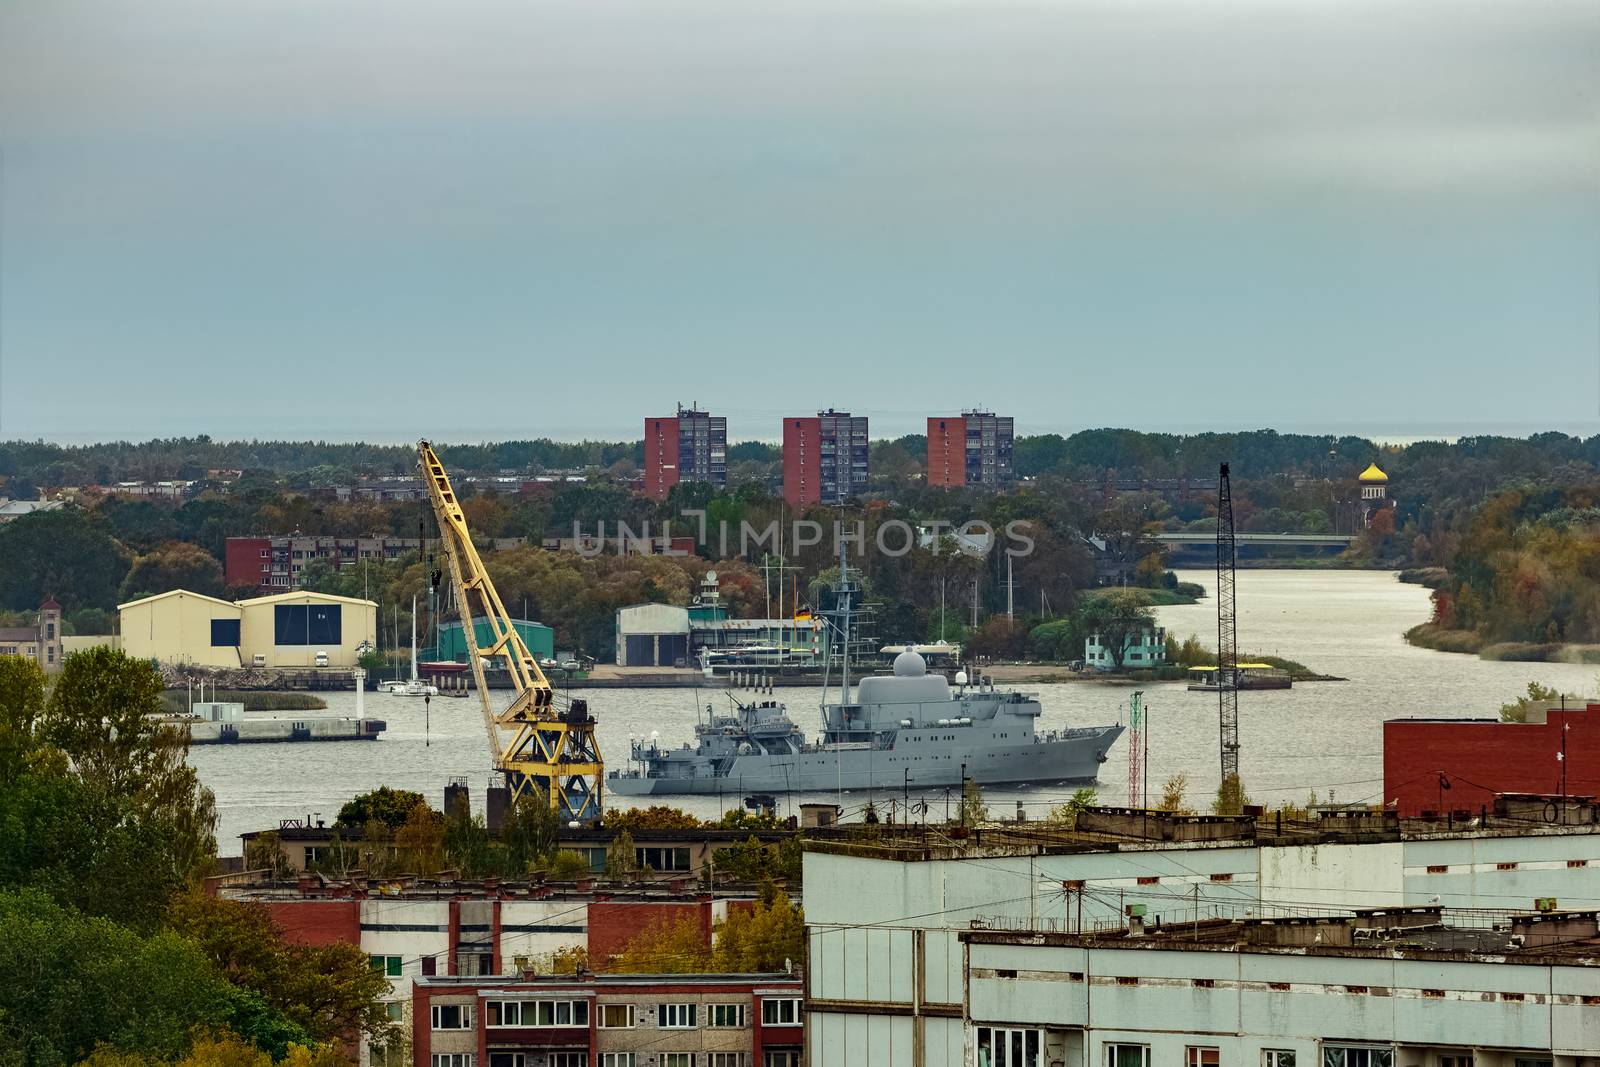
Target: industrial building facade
<point>973,449</point>
<point>891,983</point>
<point>310,630</point>
<point>1305,992</point>
<point>690,447</point>
<point>824,458</point>
<point>1440,765</point>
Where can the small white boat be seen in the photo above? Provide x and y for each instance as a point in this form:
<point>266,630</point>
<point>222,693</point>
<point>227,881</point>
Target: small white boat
<point>415,687</point>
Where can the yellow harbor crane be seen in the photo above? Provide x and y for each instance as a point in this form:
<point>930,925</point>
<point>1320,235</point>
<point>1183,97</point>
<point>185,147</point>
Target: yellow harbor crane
<point>534,744</point>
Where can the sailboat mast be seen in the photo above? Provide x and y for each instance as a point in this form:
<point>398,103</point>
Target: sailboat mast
<point>413,638</point>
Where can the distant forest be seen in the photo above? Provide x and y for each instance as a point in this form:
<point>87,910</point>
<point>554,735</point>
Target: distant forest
<point>1086,455</point>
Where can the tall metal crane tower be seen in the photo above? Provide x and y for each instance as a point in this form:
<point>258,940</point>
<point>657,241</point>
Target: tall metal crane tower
<point>549,749</point>
<point>1227,631</point>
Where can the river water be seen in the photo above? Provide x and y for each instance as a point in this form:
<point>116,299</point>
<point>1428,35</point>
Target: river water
<point>1325,736</point>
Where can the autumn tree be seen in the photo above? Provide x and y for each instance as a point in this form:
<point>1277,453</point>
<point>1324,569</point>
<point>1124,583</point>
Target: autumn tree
<point>664,946</point>
<point>174,565</point>
<point>1172,791</point>
<point>767,937</point>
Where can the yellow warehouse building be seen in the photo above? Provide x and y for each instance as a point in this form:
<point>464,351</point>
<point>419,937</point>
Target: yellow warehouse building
<point>299,629</point>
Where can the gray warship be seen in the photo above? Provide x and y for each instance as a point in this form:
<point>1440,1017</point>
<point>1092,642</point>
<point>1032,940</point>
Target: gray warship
<point>910,728</point>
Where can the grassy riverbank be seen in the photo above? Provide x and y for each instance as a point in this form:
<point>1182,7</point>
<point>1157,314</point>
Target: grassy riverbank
<point>1469,642</point>
<point>176,702</point>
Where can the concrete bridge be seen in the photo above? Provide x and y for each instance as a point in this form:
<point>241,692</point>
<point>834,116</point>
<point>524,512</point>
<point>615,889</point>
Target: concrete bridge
<point>1260,540</point>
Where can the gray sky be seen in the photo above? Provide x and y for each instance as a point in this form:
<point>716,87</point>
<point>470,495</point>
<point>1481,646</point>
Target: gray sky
<point>291,218</point>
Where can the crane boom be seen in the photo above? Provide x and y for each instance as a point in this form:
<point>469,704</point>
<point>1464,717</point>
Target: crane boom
<point>533,743</point>
<point>1227,631</point>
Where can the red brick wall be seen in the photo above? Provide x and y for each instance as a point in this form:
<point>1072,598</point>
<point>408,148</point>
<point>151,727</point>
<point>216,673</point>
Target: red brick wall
<point>802,461</point>
<point>318,922</point>
<point>660,456</point>
<point>1481,758</point>
<point>947,451</point>
<point>613,923</point>
<point>243,560</point>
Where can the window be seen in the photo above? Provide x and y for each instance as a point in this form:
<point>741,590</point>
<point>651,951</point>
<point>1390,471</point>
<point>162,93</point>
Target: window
<point>662,859</point>
<point>388,965</point>
<point>1357,1056</point>
<point>1201,1056</point>
<point>616,1059</point>
<point>224,633</point>
<point>569,1059</point>
<point>508,1059</point>
<point>677,1059</point>
<point>616,1016</point>
<point>452,1059</point>
<point>726,1015</point>
<point>1127,1056</point>
<point>780,1012</point>
<point>1455,1061</point>
<point>536,1013</point>
<point>1000,1047</point>
<point>452,1017</point>
<point>676,1016</point>
<point>783,1057</point>
<point>1277,1057</point>
<point>726,1059</point>
<point>1521,1062</point>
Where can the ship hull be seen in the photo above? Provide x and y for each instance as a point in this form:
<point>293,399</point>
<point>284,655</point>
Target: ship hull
<point>1071,759</point>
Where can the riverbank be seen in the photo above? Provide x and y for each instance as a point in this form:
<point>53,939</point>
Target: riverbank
<point>1470,642</point>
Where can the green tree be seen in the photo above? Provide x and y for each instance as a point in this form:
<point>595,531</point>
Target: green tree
<point>1231,797</point>
<point>620,856</point>
<point>1067,814</point>
<point>265,853</point>
<point>390,806</point>
<point>90,980</point>
<point>420,842</point>
<point>174,565</point>
<point>98,808</point>
<point>1117,619</point>
<point>1517,710</point>
<point>568,866</point>
<point>65,554</point>
<point>530,833</point>
<point>330,991</point>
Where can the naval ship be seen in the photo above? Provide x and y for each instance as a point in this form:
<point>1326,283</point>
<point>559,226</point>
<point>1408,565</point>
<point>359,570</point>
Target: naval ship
<point>911,728</point>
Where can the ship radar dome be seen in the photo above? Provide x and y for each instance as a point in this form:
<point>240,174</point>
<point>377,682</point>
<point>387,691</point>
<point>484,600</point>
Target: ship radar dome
<point>909,664</point>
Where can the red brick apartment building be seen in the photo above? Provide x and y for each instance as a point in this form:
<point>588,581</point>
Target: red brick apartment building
<point>689,447</point>
<point>609,1020</point>
<point>824,458</point>
<point>1444,765</point>
<point>273,563</point>
<point>973,449</point>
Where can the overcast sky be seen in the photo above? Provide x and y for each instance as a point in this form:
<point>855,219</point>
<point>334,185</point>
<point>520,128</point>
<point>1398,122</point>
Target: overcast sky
<point>303,218</point>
